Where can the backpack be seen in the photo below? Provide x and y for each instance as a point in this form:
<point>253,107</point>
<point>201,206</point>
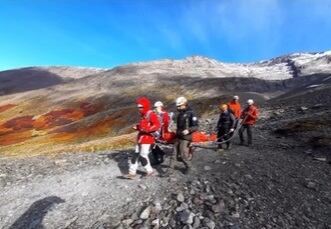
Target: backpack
<point>156,156</point>
<point>156,134</point>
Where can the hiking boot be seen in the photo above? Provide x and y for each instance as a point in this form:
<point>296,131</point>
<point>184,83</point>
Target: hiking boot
<point>150,174</point>
<point>130,176</point>
<point>187,171</point>
<point>220,150</point>
<point>229,146</point>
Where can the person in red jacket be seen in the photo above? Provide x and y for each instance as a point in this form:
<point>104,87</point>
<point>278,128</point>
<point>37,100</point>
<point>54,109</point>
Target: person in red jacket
<point>164,118</point>
<point>148,125</point>
<point>235,107</point>
<point>249,116</point>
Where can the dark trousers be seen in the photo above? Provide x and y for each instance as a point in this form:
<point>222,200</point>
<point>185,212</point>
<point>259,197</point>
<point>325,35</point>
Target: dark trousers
<point>249,129</point>
<point>223,135</point>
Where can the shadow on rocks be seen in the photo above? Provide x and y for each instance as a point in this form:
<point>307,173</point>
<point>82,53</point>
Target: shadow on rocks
<point>122,159</point>
<point>34,216</point>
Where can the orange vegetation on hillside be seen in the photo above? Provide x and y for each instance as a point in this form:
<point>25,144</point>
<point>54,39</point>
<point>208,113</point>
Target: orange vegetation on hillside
<point>14,137</point>
<point>16,130</point>
<point>6,107</point>
<point>19,129</point>
<point>96,129</point>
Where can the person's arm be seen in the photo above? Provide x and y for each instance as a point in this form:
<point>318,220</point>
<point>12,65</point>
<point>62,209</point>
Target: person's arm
<point>193,123</point>
<point>243,114</point>
<point>238,111</point>
<point>233,120</point>
<point>166,120</point>
<point>154,124</point>
<point>255,113</point>
<point>218,125</point>
<point>136,127</point>
<point>252,113</point>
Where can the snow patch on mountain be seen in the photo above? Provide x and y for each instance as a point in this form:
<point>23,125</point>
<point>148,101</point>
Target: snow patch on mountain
<point>280,68</point>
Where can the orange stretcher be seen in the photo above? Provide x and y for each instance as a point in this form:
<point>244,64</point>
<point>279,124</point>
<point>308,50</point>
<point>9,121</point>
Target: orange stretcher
<point>198,136</point>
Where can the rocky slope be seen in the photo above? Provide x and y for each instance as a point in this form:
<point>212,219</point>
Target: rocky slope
<point>274,184</point>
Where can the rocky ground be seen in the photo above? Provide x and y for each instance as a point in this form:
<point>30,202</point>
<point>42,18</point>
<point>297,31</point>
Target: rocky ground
<point>283,181</point>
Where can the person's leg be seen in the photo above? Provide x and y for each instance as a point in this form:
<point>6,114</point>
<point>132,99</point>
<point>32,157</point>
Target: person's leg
<point>236,123</point>
<point>178,150</point>
<point>185,150</point>
<point>159,154</point>
<point>134,161</point>
<point>173,155</point>
<point>220,137</point>
<point>144,151</point>
<point>227,136</point>
<point>228,143</point>
<point>250,134</point>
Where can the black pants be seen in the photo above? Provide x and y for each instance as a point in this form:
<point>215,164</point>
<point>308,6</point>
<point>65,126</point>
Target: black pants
<point>249,129</point>
<point>223,135</point>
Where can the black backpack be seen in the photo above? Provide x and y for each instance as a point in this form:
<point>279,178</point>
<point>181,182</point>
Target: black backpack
<point>156,156</point>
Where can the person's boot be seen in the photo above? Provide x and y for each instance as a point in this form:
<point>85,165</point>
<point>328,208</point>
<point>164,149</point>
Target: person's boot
<point>150,174</point>
<point>130,176</point>
<point>187,170</point>
<point>220,149</point>
<point>249,142</point>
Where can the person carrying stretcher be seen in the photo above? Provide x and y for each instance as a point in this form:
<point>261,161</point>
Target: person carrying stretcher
<point>225,127</point>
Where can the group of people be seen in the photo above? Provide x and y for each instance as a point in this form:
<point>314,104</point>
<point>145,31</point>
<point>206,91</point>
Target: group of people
<point>154,126</point>
<point>229,120</point>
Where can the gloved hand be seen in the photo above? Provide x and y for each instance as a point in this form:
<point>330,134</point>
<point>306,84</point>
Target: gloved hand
<point>231,130</point>
<point>185,132</point>
<point>142,130</point>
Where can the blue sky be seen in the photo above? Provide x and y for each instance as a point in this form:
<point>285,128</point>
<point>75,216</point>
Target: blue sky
<point>100,33</point>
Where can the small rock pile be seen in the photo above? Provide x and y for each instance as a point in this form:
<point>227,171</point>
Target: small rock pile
<point>196,206</point>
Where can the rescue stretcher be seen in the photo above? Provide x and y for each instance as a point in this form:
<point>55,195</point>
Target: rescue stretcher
<point>201,139</point>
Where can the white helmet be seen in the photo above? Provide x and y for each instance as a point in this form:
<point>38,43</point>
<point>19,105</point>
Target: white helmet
<point>181,101</point>
<point>236,97</point>
<point>158,104</point>
<point>250,102</point>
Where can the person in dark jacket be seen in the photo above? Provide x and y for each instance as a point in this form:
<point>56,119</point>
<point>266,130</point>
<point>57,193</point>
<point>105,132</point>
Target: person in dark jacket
<point>187,123</point>
<point>225,126</point>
